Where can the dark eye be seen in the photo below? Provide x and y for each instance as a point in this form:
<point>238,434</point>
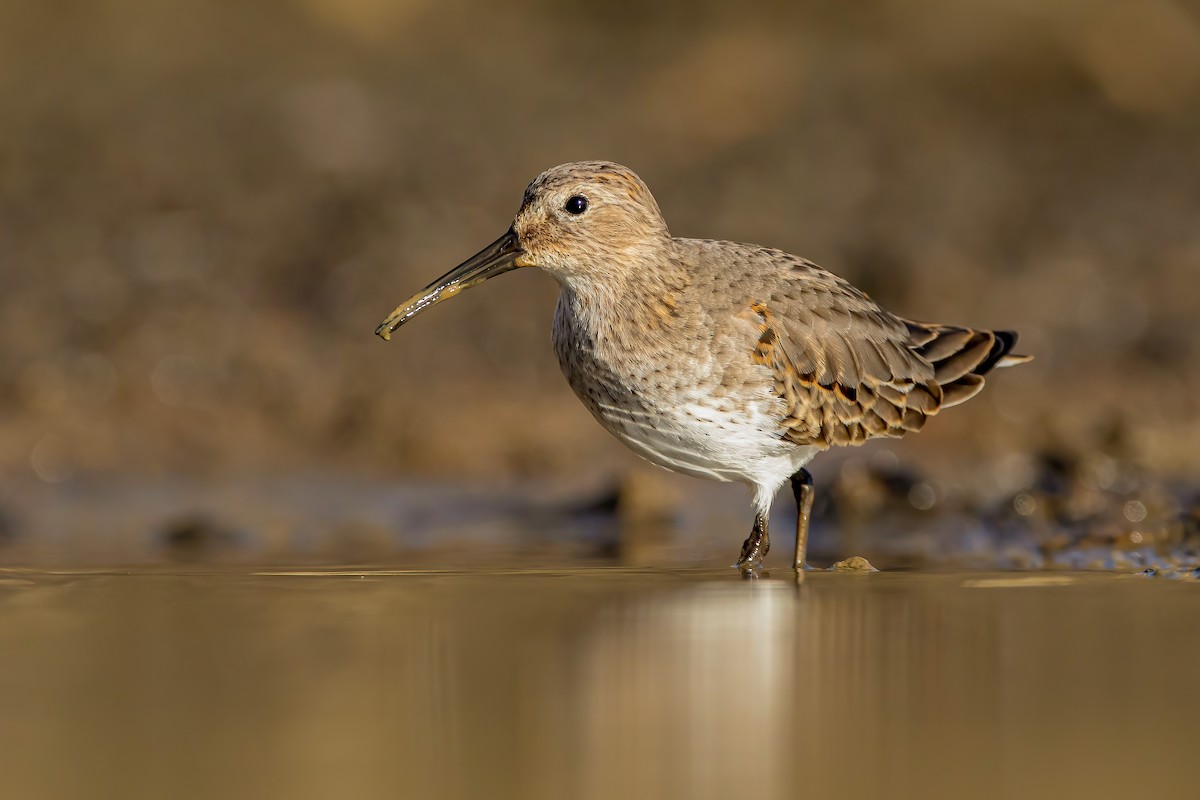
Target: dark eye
<point>576,204</point>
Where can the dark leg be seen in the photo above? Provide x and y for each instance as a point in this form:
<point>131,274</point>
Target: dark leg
<point>802,488</point>
<point>755,548</point>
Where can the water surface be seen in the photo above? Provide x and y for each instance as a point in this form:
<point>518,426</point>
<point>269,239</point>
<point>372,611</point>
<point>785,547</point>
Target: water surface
<point>595,683</point>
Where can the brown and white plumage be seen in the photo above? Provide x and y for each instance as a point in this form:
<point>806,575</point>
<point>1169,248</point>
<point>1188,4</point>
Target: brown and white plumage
<point>721,360</point>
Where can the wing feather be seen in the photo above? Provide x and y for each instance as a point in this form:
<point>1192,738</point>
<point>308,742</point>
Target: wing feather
<point>849,370</point>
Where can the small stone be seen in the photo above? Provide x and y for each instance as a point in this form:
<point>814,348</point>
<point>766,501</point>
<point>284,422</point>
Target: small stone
<point>853,564</point>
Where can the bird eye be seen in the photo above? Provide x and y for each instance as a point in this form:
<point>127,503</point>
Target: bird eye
<point>576,204</point>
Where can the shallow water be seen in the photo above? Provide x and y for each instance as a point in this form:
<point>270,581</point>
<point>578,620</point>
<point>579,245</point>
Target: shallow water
<point>595,683</point>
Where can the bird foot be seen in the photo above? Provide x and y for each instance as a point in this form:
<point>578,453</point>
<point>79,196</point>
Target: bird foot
<point>756,546</point>
<point>753,573</point>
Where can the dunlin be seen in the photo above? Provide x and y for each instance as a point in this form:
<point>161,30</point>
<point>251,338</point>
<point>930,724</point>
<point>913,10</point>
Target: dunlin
<point>721,360</point>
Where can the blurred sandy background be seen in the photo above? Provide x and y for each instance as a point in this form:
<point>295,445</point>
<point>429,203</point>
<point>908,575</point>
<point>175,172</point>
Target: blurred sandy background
<point>206,208</point>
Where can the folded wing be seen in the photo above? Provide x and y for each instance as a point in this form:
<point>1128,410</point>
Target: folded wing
<point>849,371</point>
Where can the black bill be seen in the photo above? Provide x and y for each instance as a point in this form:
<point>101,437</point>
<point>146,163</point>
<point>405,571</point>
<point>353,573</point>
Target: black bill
<point>498,257</point>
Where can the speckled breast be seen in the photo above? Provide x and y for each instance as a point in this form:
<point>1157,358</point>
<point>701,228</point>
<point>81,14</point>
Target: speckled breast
<point>665,400</point>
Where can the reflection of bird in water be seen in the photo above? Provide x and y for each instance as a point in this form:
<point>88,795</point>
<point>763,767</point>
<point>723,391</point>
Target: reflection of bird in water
<point>720,360</point>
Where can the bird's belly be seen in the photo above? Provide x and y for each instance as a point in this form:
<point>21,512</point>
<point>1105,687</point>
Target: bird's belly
<point>675,408</point>
<point>730,441</point>
<point>717,446</point>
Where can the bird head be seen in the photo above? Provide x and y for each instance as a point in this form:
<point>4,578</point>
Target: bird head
<point>583,222</point>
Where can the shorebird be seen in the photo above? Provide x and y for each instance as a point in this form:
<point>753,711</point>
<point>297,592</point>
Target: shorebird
<point>727,361</point>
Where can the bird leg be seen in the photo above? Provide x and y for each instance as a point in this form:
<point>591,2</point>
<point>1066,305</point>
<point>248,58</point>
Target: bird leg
<point>802,488</point>
<point>756,545</point>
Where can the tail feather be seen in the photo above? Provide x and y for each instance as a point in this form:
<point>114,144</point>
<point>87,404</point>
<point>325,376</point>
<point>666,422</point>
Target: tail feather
<point>962,356</point>
<point>1013,361</point>
<point>961,390</point>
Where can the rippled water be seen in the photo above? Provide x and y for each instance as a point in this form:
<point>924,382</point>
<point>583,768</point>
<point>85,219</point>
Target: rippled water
<point>595,683</point>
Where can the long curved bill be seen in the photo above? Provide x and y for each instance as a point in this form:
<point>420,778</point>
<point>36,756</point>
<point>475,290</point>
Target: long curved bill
<point>498,257</point>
